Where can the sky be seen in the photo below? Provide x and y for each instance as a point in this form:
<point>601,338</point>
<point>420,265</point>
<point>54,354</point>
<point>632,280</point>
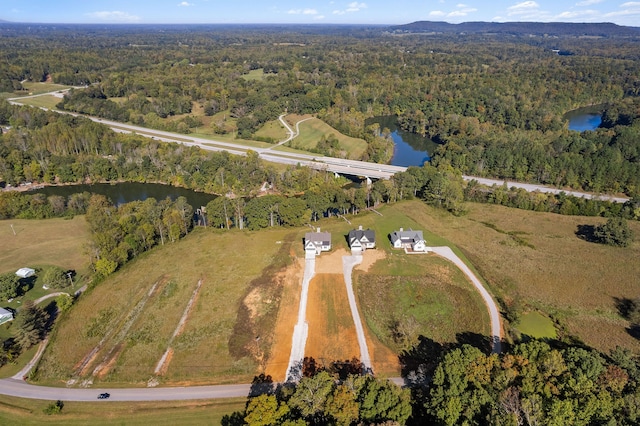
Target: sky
<point>384,12</point>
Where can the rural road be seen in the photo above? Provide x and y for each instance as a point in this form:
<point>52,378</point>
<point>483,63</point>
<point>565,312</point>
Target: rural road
<point>301,329</point>
<point>494,314</point>
<point>348,263</point>
<point>337,165</point>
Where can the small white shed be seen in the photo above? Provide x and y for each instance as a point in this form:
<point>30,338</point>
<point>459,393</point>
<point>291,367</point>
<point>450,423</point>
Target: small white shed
<point>25,272</point>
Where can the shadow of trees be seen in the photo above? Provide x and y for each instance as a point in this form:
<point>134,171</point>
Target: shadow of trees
<point>629,309</point>
<point>587,233</point>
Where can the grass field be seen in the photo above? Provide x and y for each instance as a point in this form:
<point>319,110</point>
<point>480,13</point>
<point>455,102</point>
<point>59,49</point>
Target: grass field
<point>535,325</point>
<point>311,131</point>
<point>548,268</point>
<point>44,101</point>
<point>34,88</point>
<point>273,130</point>
<point>37,242</point>
<point>121,328</point>
<point>21,411</point>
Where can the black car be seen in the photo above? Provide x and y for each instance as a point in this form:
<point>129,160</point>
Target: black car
<point>104,395</point>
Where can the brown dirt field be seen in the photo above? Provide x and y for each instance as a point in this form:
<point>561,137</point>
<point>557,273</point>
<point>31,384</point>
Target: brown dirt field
<point>369,257</point>
<point>278,361</point>
<point>165,364</point>
<point>384,361</point>
<point>103,369</point>
<point>332,335</point>
<point>331,263</point>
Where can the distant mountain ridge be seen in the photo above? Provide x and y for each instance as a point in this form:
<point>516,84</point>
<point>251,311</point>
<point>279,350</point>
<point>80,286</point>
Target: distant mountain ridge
<point>560,29</point>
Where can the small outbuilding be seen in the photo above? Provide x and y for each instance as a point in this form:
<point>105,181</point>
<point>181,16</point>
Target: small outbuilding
<point>361,239</point>
<point>5,315</point>
<point>408,240</point>
<point>315,243</point>
<point>25,272</point>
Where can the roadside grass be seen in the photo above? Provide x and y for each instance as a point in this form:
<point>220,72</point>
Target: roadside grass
<point>273,130</point>
<point>575,282</point>
<point>202,355</point>
<point>30,412</point>
<point>311,131</point>
<point>34,88</point>
<point>44,101</point>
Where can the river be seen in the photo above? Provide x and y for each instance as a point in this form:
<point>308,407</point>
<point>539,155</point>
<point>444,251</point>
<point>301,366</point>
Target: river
<point>583,119</point>
<point>120,193</point>
<point>410,149</point>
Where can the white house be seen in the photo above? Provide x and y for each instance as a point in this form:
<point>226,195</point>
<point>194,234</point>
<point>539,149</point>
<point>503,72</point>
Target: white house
<point>410,239</point>
<point>25,272</point>
<point>360,240</point>
<point>315,243</point>
<point>5,316</point>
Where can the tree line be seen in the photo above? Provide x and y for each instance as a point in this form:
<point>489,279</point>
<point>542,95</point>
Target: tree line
<point>532,383</point>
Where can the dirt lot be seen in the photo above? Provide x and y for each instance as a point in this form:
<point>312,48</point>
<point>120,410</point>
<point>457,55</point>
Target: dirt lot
<point>287,317</point>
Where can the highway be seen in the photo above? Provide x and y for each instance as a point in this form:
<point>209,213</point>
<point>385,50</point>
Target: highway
<point>274,154</point>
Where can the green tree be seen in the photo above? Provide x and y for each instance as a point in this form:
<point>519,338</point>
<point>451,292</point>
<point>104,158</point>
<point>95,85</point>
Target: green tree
<point>615,232</point>
<point>30,324</point>
<point>265,410</point>
<point>53,277</point>
<point>9,285</point>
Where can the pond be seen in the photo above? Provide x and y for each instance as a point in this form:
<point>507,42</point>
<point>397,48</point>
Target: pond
<point>410,149</point>
<point>120,193</point>
<point>583,119</point>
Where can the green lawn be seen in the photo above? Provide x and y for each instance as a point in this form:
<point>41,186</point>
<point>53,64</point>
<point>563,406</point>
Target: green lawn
<point>21,411</point>
<point>44,101</point>
<point>312,130</point>
<point>536,325</point>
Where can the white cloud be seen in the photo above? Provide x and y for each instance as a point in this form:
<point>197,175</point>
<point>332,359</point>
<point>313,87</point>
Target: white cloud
<point>588,2</point>
<point>351,7</point>
<point>462,10</point>
<point>185,4</point>
<point>437,13</point>
<point>114,16</point>
<point>302,12</point>
<point>523,7</point>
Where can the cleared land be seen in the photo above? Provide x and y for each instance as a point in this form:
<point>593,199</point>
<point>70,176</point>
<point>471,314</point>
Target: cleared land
<point>131,324</point>
<point>311,131</point>
<point>535,260</point>
<point>38,242</point>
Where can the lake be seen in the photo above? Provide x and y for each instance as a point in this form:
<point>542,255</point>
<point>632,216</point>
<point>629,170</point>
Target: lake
<point>583,119</point>
<point>120,193</point>
<point>409,149</point>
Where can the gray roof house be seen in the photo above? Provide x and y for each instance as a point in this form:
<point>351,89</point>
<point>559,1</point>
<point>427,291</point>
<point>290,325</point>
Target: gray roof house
<point>361,239</point>
<point>411,240</point>
<point>315,243</point>
<point>5,315</point>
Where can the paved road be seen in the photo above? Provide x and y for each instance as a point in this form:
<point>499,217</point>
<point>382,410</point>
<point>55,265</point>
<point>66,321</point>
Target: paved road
<point>494,314</point>
<point>336,165</point>
<point>301,329</point>
<point>348,263</point>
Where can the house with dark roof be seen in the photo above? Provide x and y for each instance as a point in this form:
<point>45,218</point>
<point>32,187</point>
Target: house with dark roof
<point>361,239</point>
<point>315,243</point>
<point>411,240</point>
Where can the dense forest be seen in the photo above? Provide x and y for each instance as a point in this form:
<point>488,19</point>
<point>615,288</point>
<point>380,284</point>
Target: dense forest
<point>495,103</point>
<point>533,383</point>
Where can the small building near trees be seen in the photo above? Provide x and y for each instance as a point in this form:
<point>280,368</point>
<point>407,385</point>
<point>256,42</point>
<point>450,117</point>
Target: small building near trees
<point>408,240</point>
<point>361,239</point>
<point>315,243</point>
<point>25,272</point>
<point>5,316</point>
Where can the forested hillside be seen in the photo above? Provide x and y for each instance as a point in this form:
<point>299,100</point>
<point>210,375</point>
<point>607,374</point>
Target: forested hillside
<point>495,102</point>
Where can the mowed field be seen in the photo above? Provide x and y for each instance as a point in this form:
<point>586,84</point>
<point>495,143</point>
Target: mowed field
<point>119,331</point>
<point>43,242</point>
<point>313,129</point>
